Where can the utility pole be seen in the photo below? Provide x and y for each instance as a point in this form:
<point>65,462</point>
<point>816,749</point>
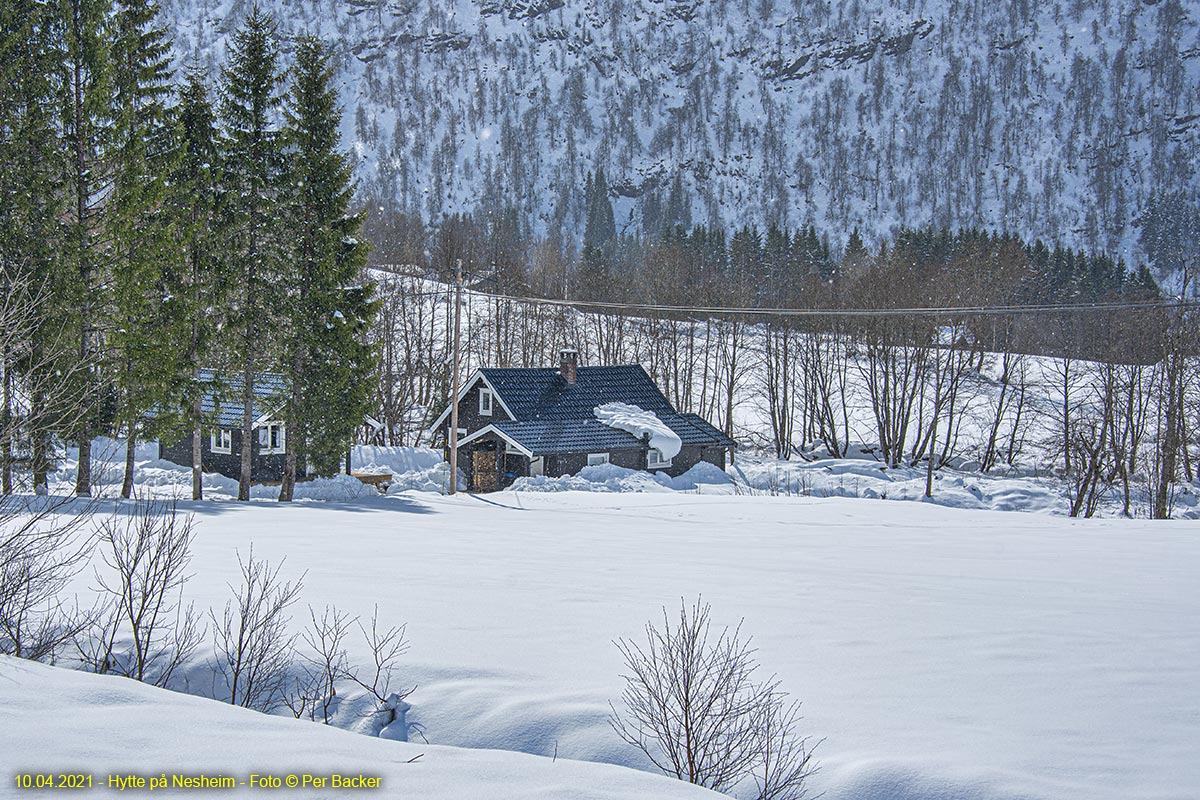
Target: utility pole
<point>454,380</point>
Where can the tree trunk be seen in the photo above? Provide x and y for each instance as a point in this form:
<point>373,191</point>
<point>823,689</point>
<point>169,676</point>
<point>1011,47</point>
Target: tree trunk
<point>291,446</point>
<point>247,451</point>
<point>127,484</point>
<point>1169,447</point>
<point>197,453</point>
<point>83,476</point>
<point>6,430</point>
<point>287,486</point>
<point>41,465</point>
<point>929,464</point>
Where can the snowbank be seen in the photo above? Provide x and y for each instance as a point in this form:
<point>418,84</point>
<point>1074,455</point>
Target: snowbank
<point>132,728</point>
<point>598,478</point>
<point>869,479</point>
<point>611,478</point>
<point>399,460</point>
<point>641,423</point>
<point>412,469</point>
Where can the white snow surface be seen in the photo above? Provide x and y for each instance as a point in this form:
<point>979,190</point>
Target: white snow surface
<point>54,720</point>
<point>641,423</point>
<point>941,654</point>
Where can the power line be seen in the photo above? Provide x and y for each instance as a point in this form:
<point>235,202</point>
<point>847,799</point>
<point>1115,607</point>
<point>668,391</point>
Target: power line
<point>931,311</point>
<point>864,312</point>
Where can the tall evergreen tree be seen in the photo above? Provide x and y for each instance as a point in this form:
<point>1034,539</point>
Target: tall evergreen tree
<point>36,350</point>
<point>86,121</point>
<point>601,230</point>
<point>253,240</point>
<point>327,363</point>
<point>148,310</point>
<point>193,200</point>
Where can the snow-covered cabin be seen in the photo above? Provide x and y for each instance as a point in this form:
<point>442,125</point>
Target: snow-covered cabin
<point>221,439</point>
<point>544,421</point>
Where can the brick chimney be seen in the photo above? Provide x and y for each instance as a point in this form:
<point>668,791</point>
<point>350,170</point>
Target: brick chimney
<point>568,365</point>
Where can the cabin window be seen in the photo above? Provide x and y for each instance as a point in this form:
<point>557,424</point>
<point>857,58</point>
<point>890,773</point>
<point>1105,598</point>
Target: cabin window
<point>485,402</point>
<point>655,460</point>
<point>271,438</point>
<point>597,458</point>
<point>537,466</point>
<point>221,441</point>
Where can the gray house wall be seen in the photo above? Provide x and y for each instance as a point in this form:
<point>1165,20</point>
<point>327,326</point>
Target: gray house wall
<point>264,468</point>
<point>570,463</point>
<point>469,417</point>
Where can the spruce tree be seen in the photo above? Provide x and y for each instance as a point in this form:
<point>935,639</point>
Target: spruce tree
<point>328,365</point>
<point>36,349</point>
<point>600,231</point>
<point>86,120</point>
<point>148,310</point>
<point>253,240</point>
<point>193,201</point>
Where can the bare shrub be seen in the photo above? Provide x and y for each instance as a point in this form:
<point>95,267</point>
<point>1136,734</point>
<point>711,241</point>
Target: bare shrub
<point>254,651</point>
<point>386,646</point>
<point>313,692</point>
<point>693,706</point>
<point>313,689</point>
<point>42,547</point>
<point>142,629</point>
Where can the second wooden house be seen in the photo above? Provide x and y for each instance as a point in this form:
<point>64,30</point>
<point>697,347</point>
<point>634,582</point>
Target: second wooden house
<point>543,421</point>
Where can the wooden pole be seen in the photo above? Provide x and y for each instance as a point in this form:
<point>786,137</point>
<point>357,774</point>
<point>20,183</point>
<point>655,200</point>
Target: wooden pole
<point>454,380</point>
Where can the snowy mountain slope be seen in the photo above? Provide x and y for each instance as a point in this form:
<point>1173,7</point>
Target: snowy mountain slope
<point>55,720</point>
<point>1057,120</point>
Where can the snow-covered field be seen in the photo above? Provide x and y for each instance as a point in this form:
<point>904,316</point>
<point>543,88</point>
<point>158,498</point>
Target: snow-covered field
<point>940,653</point>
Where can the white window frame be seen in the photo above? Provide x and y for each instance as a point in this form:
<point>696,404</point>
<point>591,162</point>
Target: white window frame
<point>655,460</point>
<point>220,440</point>
<point>264,438</point>
<point>596,459</point>
<point>486,409</point>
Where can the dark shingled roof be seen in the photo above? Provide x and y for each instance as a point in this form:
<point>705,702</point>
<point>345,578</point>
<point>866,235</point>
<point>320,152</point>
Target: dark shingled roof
<point>268,387</point>
<point>694,429</point>
<point>543,394</point>
<point>593,436</point>
<point>568,436</point>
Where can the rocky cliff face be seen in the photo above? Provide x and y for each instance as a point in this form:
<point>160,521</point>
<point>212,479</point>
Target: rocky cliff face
<point>1058,120</point>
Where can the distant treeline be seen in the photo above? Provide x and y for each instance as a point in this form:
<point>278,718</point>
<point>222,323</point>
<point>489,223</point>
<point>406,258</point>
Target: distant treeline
<point>799,269</point>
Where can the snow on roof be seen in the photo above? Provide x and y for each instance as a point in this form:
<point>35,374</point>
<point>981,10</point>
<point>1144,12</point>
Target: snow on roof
<point>641,423</point>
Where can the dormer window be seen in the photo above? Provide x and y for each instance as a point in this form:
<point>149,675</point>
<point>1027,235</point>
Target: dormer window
<point>485,402</point>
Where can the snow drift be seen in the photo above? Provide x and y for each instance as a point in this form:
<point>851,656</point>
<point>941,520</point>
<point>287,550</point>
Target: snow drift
<point>642,424</point>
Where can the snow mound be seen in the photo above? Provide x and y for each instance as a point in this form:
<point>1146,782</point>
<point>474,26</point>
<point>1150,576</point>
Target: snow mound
<point>431,479</point>
<point>611,478</point>
<point>398,460</point>
<point>640,423</point>
<point>138,729</point>
<point>338,487</point>
<point>703,474</point>
<point>598,478</point>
